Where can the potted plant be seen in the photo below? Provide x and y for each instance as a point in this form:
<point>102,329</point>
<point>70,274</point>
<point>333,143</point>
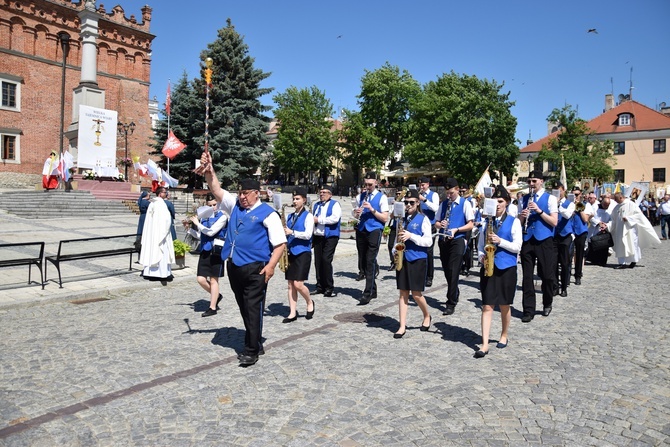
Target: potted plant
<point>180,249</point>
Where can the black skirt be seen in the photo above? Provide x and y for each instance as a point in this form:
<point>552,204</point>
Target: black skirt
<point>298,268</point>
<point>210,265</point>
<point>412,276</point>
<point>500,288</point>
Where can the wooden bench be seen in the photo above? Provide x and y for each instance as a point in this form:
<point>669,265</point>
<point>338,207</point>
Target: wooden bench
<point>28,253</point>
<point>93,247</point>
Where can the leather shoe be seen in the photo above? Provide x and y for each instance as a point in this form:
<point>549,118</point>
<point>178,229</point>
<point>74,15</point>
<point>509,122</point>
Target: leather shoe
<point>260,352</point>
<point>501,345</point>
<point>479,354</point>
<point>527,318</point>
<point>248,360</point>
<point>546,311</point>
<point>397,335</point>
<point>310,313</point>
<point>317,292</point>
<point>449,310</point>
<point>328,293</point>
<point>366,299</point>
<point>360,276</point>
<point>425,328</point>
<point>429,282</point>
<point>209,312</point>
<point>621,266</point>
<point>290,320</point>
<point>218,301</point>
<point>578,281</point>
<point>564,293</point>
<point>632,265</point>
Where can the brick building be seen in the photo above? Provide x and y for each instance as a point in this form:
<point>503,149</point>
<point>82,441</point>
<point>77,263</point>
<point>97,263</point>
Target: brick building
<point>31,73</point>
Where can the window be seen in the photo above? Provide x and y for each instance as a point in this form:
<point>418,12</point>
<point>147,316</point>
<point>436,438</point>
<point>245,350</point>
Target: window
<point>624,119</point>
<point>11,92</point>
<point>659,175</point>
<point>553,167</point>
<point>9,147</point>
<point>659,146</point>
<point>619,147</point>
<point>620,175</point>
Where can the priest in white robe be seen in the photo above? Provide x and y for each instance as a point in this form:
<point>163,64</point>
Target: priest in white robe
<point>157,254</point>
<point>631,231</point>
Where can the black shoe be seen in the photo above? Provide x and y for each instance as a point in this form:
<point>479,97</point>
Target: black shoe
<point>260,352</point>
<point>502,345</point>
<point>449,310</point>
<point>578,281</point>
<point>366,299</point>
<point>360,276</point>
<point>290,320</point>
<point>218,301</point>
<point>547,311</point>
<point>310,313</point>
<point>248,360</point>
<point>564,293</point>
<point>425,328</point>
<point>429,282</point>
<point>479,354</point>
<point>527,318</point>
<point>632,265</point>
<point>621,266</point>
<point>317,292</point>
<point>556,292</point>
<point>208,313</point>
<point>328,293</point>
<point>397,335</point>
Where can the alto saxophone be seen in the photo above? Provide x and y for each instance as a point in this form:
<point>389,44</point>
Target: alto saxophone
<point>490,249</point>
<point>399,246</point>
<point>283,261</point>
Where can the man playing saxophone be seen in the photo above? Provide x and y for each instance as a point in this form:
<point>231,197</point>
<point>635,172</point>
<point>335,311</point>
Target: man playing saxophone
<point>504,232</point>
<point>411,276</point>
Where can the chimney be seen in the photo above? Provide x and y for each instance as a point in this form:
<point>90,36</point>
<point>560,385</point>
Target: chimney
<point>609,102</point>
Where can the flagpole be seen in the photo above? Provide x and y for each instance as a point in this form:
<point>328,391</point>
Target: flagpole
<point>169,107</point>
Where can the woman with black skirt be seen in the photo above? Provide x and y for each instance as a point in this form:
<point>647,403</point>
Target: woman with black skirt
<point>299,229</point>
<point>499,289</point>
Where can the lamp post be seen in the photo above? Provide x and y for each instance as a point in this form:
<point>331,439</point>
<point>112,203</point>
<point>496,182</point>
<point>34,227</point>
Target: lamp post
<point>530,162</point>
<point>124,130</point>
<point>65,49</point>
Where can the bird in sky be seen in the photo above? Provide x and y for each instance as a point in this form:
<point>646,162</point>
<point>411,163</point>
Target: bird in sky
<point>340,36</point>
<point>593,30</point>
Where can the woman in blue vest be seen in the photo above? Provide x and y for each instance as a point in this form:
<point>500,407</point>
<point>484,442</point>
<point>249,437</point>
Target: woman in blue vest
<point>298,230</point>
<point>211,231</point>
<point>499,289</point>
<point>417,236</point>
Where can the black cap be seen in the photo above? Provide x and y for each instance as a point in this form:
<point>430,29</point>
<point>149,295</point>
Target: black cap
<point>249,183</point>
<point>464,186</point>
<point>576,188</point>
<point>412,194</point>
<point>536,174</point>
<point>424,180</point>
<point>327,188</point>
<point>451,183</point>
<point>371,176</point>
<point>300,191</point>
<point>501,193</point>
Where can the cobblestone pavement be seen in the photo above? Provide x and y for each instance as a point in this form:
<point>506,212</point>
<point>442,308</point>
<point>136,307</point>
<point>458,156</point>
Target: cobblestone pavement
<point>141,367</point>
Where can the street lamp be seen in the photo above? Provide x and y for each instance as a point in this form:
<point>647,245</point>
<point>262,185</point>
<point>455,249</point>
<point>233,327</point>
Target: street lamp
<point>124,130</point>
<point>530,162</point>
<point>65,49</point>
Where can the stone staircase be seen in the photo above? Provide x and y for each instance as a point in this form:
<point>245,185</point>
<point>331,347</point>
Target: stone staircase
<point>58,204</point>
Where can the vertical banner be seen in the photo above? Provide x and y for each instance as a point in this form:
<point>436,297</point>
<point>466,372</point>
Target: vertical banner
<point>96,138</point>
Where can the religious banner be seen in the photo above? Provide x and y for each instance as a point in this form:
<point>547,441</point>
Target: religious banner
<point>637,191</point>
<point>97,139</point>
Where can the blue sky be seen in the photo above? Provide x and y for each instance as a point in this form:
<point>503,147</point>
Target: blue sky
<point>540,50</point>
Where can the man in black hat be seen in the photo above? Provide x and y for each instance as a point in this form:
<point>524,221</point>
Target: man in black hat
<point>538,219</point>
<point>455,219</point>
<point>327,218</point>
<point>255,240</point>
<point>563,235</point>
<point>430,202</point>
<point>580,226</point>
<point>372,213</point>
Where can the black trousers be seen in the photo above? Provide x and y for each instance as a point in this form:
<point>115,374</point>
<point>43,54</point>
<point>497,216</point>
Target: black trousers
<point>249,288</point>
<point>564,259</point>
<point>544,253</point>
<point>580,245</point>
<point>324,251</point>
<point>367,244</point>
<point>467,256</point>
<point>430,273</point>
<point>451,256</point>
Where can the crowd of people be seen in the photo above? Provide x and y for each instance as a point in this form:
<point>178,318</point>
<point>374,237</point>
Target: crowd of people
<point>556,230</point>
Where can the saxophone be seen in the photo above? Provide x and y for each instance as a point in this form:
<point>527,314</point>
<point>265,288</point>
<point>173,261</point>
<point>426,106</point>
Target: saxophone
<point>283,261</point>
<point>399,246</point>
<point>490,249</point>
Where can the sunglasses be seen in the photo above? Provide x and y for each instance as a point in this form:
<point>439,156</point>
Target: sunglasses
<point>410,202</point>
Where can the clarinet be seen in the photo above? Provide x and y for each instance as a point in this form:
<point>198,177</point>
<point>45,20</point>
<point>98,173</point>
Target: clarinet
<point>443,231</point>
<point>531,191</point>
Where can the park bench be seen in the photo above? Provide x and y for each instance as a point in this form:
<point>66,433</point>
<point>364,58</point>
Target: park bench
<point>27,253</point>
<point>93,247</point>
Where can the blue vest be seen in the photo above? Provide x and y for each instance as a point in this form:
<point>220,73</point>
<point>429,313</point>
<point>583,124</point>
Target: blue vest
<point>332,230</point>
<point>504,259</point>
<point>296,245</point>
<point>248,236</point>
<point>368,222</point>
<point>564,226</point>
<point>578,225</point>
<point>430,214</point>
<point>205,240</point>
<point>537,227</point>
<point>413,251</point>
<point>456,218</point>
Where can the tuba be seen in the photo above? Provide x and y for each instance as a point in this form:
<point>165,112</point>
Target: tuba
<point>399,246</point>
<point>490,249</point>
<point>283,261</point>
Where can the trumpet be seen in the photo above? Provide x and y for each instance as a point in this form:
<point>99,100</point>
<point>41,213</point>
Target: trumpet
<point>283,261</point>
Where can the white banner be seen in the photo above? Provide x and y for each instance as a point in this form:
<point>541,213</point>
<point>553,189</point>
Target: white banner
<point>97,138</point>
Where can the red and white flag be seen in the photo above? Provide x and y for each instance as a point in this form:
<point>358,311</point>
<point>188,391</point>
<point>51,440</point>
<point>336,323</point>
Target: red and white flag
<point>172,146</point>
<point>168,101</point>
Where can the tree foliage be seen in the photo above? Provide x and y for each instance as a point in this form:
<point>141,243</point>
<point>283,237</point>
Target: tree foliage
<point>584,156</point>
<point>466,123</point>
<point>361,147</point>
<point>305,141</point>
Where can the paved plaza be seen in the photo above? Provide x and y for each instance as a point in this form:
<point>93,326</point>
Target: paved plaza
<point>114,360</point>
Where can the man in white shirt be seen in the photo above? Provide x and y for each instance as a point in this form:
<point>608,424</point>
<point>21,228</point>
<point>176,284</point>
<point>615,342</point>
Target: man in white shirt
<point>664,213</point>
<point>327,218</point>
<point>580,228</point>
<point>631,231</point>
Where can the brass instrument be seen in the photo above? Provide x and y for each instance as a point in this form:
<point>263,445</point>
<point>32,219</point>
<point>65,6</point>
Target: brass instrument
<point>283,261</point>
<point>531,191</point>
<point>447,215</point>
<point>399,247</point>
<point>579,207</point>
<point>490,249</point>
